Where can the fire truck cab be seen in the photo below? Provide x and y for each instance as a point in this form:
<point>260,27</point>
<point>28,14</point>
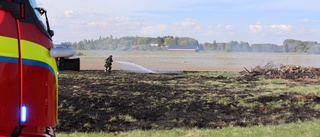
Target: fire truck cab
<point>28,70</point>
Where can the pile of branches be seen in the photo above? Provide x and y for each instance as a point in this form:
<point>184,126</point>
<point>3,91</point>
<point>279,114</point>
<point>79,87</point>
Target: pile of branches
<point>270,70</point>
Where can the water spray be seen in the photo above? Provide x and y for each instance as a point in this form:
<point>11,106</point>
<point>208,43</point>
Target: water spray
<point>132,67</point>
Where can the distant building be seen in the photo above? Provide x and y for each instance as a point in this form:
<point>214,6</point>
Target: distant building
<point>135,47</point>
<point>154,45</point>
<point>187,48</point>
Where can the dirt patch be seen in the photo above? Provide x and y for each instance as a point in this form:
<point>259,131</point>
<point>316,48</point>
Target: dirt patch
<point>92,101</point>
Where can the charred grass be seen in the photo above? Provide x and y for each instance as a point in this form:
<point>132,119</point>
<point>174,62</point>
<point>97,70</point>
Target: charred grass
<point>95,101</point>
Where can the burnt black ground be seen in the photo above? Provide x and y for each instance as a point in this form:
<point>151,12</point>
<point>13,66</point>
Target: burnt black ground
<point>93,101</point>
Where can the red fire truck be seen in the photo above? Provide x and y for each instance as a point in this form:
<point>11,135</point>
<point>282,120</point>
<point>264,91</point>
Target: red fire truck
<point>28,70</point>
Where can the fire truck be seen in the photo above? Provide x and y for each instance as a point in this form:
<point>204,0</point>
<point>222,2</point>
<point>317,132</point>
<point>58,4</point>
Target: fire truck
<point>28,70</point>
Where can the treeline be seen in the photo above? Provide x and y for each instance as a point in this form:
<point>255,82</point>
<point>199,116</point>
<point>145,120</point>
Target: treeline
<point>132,43</point>
<point>289,45</point>
<point>163,43</point>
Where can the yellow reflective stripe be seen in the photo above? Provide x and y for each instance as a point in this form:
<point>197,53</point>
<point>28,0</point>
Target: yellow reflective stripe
<point>9,47</point>
<point>30,51</point>
<point>34,51</point>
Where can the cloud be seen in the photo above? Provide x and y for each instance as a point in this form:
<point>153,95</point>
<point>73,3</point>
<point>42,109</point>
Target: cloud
<point>156,29</point>
<point>187,23</point>
<point>307,20</point>
<point>187,26</point>
<point>122,26</point>
<point>115,23</point>
<point>229,27</point>
<point>194,18</point>
<point>279,29</point>
<point>69,13</point>
<point>220,29</point>
<point>307,31</point>
<point>255,28</point>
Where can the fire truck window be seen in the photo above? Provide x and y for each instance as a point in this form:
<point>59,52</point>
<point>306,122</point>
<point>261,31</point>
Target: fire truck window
<point>39,16</point>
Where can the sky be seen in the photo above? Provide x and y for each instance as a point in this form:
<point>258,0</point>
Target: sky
<point>253,21</point>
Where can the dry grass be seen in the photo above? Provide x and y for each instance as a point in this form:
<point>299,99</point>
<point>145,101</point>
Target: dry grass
<point>200,61</point>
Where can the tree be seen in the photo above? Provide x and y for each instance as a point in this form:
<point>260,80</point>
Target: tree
<point>168,41</point>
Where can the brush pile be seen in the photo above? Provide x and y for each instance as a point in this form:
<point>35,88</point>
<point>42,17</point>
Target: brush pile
<point>271,70</point>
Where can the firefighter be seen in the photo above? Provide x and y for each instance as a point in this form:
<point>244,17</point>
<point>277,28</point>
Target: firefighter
<point>108,64</point>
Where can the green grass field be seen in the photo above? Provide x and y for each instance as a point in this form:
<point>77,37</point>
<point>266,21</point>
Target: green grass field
<point>299,129</point>
<point>274,88</point>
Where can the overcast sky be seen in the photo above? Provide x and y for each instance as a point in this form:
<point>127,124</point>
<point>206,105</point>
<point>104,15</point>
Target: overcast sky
<point>253,21</point>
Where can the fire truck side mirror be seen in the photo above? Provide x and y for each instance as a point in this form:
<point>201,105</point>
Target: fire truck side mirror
<point>43,11</point>
<point>51,32</point>
<point>59,52</point>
